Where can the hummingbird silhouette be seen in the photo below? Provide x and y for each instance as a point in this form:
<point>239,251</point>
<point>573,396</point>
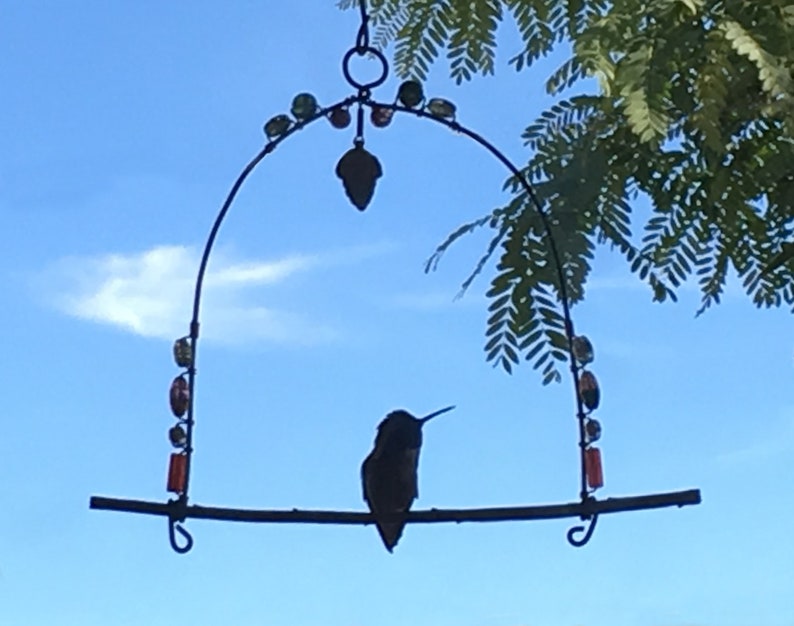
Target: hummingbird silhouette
<point>389,474</point>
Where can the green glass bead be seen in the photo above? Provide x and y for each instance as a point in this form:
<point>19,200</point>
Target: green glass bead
<point>411,93</point>
<point>177,436</point>
<point>593,430</point>
<point>277,126</point>
<point>304,105</point>
<point>583,350</point>
<point>183,353</point>
<point>439,107</point>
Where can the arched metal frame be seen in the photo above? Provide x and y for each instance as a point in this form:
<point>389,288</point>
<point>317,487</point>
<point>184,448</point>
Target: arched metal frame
<point>587,509</point>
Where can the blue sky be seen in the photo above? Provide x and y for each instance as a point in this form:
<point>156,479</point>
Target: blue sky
<point>124,125</point>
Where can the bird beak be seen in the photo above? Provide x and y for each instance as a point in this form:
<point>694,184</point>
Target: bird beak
<point>427,418</point>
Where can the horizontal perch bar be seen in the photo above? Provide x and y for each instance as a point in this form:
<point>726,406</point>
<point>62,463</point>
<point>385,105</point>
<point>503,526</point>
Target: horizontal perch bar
<point>500,514</point>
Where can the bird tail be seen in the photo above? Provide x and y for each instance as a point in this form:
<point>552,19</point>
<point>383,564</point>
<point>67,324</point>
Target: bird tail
<point>390,533</point>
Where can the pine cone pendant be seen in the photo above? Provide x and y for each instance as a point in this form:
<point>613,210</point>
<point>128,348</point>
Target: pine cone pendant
<point>359,170</point>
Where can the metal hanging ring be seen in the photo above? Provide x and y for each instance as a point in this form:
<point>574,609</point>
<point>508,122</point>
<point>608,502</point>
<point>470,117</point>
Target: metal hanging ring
<point>578,543</point>
<point>174,525</point>
<point>384,73</point>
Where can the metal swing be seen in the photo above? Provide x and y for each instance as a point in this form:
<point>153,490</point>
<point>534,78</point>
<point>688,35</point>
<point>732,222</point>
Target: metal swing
<point>359,171</point>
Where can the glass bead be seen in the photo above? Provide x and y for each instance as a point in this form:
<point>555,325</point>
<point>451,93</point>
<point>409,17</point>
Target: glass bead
<point>177,436</point>
<point>177,473</point>
<point>594,468</point>
<point>583,350</point>
<point>589,391</point>
<point>439,107</point>
<point>592,429</point>
<point>277,126</point>
<point>183,352</point>
<point>304,105</point>
<point>339,117</point>
<point>410,93</point>
<point>381,117</point>
<point>179,396</point>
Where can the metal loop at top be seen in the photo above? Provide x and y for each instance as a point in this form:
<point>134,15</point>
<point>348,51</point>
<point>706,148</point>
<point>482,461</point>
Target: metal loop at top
<point>384,74</point>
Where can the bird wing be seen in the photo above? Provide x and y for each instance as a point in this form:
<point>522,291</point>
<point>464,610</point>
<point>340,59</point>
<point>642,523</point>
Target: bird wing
<point>364,474</point>
<point>413,453</point>
<point>390,532</point>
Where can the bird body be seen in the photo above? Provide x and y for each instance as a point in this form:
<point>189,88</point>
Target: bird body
<point>389,474</point>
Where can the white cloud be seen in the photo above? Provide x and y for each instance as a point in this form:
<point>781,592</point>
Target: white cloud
<point>150,293</point>
<point>258,272</point>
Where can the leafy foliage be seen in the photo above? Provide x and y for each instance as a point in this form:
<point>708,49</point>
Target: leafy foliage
<point>694,109</point>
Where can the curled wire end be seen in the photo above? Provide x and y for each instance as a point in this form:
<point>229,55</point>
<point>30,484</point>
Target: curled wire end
<point>180,549</point>
<point>578,543</point>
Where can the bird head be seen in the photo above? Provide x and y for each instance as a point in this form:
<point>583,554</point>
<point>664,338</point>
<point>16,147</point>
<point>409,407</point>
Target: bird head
<point>401,430</point>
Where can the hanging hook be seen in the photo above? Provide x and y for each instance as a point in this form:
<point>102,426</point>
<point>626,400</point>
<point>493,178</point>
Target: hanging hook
<point>173,524</point>
<point>578,543</point>
<point>363,48</point>
<point>362,39</point>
